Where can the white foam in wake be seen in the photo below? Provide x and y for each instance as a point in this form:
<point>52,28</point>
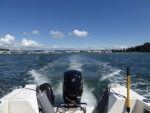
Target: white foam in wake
<point>88,97</point>
<point>38,77</point>
<point>75,64</point>
<point>58,89</point>
<point>104,77</point>
<point>58,94</point>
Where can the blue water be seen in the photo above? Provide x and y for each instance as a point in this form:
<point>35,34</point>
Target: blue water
<point>98,70</point>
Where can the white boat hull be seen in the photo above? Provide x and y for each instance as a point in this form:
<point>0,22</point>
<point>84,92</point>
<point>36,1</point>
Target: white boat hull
<point>24,100</point>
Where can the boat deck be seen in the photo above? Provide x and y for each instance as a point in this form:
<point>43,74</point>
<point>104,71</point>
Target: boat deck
<point>73,110</point>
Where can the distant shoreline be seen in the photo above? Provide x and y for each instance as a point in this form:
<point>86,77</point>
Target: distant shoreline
<point>63,52</point>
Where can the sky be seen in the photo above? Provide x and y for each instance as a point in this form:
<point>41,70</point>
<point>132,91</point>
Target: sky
<point>74,24</point>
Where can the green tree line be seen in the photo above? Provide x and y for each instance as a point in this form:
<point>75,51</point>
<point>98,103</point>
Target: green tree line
<point>1,49</point>
<point>141,48</point>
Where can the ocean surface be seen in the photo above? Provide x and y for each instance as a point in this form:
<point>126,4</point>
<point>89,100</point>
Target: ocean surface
<point>98,70</point>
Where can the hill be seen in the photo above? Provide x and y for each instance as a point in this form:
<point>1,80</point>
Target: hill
<point>141,48</point>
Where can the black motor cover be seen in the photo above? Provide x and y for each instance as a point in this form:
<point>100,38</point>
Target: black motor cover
<point>46,87</point>
<point>72,86</point>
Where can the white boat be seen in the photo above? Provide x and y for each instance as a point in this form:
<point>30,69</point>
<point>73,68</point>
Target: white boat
<point>115,99</point>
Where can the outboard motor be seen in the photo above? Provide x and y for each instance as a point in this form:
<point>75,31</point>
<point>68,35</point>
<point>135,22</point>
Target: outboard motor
<point>72,87</point>
<point>46,88</point>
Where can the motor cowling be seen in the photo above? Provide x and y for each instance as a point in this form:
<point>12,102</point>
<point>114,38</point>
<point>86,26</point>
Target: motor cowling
<point>46,88</point>
<point>72,86</point>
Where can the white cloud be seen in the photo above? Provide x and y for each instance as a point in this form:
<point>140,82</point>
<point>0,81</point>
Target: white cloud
<point>8,39</point>
<point>79,33</point>
<point>57,34</point>
<point>35,32</point>
<point>71,34</point>
<point>29,43</point>
<point>120,47</point>
<point>61,47</point>
<point>9,42</point>
<point>25,33</point>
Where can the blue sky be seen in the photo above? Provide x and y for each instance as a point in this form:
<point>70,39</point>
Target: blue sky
<point>74,24</point>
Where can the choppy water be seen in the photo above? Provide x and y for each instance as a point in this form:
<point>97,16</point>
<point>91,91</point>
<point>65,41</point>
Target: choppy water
<point>97,69</point>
